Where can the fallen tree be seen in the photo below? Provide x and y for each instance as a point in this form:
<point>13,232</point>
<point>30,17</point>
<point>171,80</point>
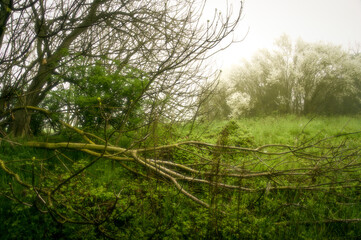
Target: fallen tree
<point>313,165</point>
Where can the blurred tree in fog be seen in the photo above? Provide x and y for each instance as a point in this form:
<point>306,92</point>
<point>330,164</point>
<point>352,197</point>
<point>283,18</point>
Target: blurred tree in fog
<point>299,78</point>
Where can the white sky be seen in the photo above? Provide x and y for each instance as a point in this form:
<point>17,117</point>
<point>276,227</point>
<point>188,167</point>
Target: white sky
<point>331,21</point>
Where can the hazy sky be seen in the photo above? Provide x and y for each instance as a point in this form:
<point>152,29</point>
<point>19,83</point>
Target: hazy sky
<point>333,21</point>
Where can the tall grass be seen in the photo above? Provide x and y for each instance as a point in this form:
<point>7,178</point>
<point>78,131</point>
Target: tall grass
<point>287,129</point>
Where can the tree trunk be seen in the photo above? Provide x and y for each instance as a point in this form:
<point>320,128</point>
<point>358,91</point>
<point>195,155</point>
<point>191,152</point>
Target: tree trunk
<point>21,123</point>
<point>42,83</point>
<point>32,97</point>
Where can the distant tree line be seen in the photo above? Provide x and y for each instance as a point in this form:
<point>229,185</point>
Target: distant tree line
<point>294,78</point>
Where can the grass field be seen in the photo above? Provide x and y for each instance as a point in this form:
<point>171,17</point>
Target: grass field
<point>311,192</point>
<point>285,129</point>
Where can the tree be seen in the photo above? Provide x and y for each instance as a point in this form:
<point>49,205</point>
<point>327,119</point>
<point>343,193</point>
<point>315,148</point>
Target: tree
<point>165,39</point>
<point>301,78</point>
<point>99,96</point>
<point>213,106</point>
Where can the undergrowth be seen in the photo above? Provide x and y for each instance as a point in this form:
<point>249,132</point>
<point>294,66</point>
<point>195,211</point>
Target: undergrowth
<point>153,209</point>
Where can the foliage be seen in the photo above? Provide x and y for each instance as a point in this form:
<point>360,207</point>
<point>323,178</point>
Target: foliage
<point>98,96</point>
<point>214,106</point>
<point>298,78</point>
